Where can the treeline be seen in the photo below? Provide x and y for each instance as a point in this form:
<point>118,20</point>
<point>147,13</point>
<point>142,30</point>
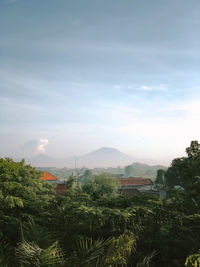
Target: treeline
<point>92,225</point>
<point>184,171</point>
<point>135,169</point>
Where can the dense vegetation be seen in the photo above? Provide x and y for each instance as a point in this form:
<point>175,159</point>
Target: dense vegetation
<point>94,226</point>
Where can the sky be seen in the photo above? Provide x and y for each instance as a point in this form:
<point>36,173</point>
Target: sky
<point>79,75</point>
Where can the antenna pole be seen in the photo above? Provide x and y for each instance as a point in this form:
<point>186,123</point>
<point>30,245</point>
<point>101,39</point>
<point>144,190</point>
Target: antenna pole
<point>76,167</point>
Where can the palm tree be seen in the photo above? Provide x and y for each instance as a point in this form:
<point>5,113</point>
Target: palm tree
<point>88,252</point>
<point>31,255</point>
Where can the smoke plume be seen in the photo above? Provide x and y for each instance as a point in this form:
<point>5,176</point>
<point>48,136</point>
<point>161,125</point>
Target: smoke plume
<point>43,143</point>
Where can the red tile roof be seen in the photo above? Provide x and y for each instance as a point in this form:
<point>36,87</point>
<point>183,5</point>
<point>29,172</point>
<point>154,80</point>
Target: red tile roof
<point>134,181</point>
<point>48,177</point>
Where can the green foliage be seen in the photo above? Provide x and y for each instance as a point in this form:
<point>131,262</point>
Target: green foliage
<point>193,260</point>
<point>101,185</point>
<point>160,177</point>
<point>23,196</point>
<point>94,225</point>
<point>193,151</point>
<point>137,169</point>
<point>87,174</point>
<point>89,252</point>
<point>184,170</point>
<point>142,170</point>
<point>146,260</point>
<point>72,182</point>
<point>129,171</point>
<point>11,202</point>
<point>30,254</point>
<point>120,249</point>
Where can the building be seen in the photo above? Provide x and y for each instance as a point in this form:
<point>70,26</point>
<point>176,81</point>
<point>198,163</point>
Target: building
<point>134,185</point>
<point>49,178</point>
<point>61,187</point>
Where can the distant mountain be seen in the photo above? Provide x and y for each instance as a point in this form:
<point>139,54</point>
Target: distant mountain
<point>104,157</point>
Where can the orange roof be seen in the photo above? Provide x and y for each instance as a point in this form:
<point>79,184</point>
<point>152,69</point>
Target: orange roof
<point>134,181</point>
<point>48,177</point>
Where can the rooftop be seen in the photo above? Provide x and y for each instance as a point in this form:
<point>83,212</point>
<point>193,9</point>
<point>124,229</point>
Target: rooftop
<point>134,181</point>
<point>48,177</point>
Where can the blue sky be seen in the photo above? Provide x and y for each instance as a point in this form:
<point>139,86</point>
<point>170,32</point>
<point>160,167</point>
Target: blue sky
<point>78,75</point>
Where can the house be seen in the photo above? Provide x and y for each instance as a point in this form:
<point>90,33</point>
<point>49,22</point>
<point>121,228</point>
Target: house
<point>49,178</point>
<point>133,185</point>
<point>61,187</point>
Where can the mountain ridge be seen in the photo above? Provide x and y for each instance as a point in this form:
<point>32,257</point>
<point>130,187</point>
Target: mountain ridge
<point>105,157</point>
<point>102,157</point>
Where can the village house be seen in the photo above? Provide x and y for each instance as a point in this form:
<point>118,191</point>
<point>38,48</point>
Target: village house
<point>61,187</point>
<point>47,176</point>
<point>134,185</point>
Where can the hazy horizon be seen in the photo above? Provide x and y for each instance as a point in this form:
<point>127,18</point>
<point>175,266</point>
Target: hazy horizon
<point>79,75</point>
<point>103,157</point>
<point>39,153</point>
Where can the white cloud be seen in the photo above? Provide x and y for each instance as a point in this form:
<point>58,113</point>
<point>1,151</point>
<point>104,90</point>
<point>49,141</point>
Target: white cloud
<point>146,88</point>
<point>160,87</point>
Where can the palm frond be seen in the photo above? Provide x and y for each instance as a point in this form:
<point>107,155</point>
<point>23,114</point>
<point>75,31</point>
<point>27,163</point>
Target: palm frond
<point>87,250</point>
<point>28,254</point>
<point>31,255</point>
<point>51,256</point>
<point>146,260</point>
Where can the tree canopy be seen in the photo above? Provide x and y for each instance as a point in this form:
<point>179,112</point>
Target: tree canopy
<point>92,225</point>
<point>184,170</point>
<point>101,185</point>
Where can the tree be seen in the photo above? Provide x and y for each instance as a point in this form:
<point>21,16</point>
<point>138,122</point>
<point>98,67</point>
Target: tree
<point>72,182</point>
<point>160,177</point>
<point>128,170</point>
<point>193,151</point>
<point>184,170</point>
<point>194,191</point>
<point>96,227</point>
<point>193,260</point>
<point>87,174</point>
<point>121,249</point>
<point>23,197</point>
<point>101,185</point>
<point>31,255</point>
